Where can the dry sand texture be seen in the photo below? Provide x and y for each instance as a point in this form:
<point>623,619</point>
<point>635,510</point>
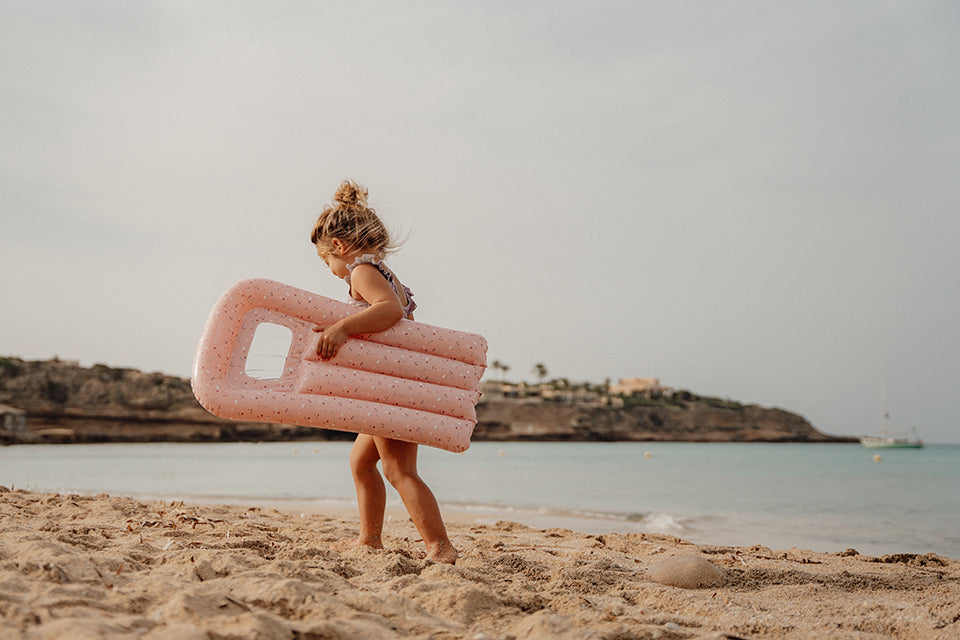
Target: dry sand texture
<point>109,567</point>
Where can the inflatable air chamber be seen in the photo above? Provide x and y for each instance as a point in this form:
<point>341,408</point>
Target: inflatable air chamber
<point>412,382</point>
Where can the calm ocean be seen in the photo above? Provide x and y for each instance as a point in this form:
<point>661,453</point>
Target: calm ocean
<point>821,497</point>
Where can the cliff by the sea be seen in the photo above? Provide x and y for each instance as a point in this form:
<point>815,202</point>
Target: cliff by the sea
<point>65,402</point>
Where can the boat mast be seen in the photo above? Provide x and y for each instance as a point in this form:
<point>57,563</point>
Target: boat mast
<point>886,414</point>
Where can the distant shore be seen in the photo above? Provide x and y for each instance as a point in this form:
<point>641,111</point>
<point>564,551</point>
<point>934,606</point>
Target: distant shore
<point>62,402</point>
<point>499,421</point>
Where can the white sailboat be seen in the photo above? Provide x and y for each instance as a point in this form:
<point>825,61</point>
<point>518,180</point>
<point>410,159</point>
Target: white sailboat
<point>888,440</point>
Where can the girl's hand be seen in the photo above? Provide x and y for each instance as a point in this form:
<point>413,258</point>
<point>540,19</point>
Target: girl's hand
<point>331,339</point>
<point>384,311</point>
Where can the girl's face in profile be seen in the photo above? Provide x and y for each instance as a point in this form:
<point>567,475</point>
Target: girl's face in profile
<point>337,261</point>
<point>338,266</point>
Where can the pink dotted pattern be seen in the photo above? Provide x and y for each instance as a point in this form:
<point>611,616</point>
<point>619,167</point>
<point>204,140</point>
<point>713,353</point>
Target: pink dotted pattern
<point>413,382</point>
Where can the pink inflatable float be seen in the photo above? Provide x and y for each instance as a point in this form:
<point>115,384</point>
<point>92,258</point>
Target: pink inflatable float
<point>413,382</point>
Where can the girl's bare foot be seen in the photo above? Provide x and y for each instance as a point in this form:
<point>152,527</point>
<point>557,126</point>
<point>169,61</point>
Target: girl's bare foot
<point>442,552</point>
<point>373,544</point>
<point>351,545</point>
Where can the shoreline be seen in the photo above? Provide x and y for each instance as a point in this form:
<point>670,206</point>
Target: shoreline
<point>89,470</point>
<point>729,533</point>
<point>64,431</point>
<point>111,567</point>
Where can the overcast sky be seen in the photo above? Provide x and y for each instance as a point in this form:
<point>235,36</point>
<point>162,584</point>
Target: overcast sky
<point>752,200</point>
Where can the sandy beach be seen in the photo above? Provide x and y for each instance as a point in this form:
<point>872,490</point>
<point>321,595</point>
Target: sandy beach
<point>114,567</point>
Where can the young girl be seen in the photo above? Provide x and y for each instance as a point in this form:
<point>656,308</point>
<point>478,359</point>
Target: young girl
<point>353,242</point>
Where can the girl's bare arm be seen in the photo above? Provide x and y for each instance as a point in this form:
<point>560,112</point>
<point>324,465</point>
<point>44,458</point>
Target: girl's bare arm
<point>384,310</point>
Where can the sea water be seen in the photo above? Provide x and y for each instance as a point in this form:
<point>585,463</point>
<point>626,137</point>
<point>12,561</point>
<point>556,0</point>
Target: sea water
<point>816,496</point>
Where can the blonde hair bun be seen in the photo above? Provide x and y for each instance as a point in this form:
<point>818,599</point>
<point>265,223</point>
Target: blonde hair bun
<point>351,194</point>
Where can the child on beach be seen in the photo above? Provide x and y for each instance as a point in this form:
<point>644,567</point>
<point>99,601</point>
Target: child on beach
<point>353,242</point>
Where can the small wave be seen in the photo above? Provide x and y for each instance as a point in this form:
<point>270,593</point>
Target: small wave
<point>583,520</point>
<point>664,523</point>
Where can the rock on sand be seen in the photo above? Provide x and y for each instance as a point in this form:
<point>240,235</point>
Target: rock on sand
<point>687,572</point>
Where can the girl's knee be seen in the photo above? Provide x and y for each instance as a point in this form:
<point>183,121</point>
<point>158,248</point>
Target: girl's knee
<point>361,466</point>
<point>363,457</point>
<point>366,475</point>
<point>397,474</point>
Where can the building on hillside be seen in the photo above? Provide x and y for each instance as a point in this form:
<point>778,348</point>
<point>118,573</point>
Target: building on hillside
<point>640,386</point>
<point>574,394</point>
<point>12,419</point>
<point>545,391</point>
<point>494,389</point>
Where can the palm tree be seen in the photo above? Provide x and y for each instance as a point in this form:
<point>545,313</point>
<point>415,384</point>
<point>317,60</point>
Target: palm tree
<point>540,370</point>
<point>499,366</point>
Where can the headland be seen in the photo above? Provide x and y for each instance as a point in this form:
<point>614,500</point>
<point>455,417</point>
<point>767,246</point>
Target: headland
<point>62,401</point>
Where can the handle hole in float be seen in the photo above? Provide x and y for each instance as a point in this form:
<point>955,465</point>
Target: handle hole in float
<point>268,351</point>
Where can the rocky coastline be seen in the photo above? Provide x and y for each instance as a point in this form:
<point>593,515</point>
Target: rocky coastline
<point>67,403</point>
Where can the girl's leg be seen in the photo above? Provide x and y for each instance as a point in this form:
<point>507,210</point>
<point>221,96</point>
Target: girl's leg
<point>371,493</point>
<point>400,468</point>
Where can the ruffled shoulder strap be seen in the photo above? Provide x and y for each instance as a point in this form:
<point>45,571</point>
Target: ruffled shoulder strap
<point>367,258</point>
